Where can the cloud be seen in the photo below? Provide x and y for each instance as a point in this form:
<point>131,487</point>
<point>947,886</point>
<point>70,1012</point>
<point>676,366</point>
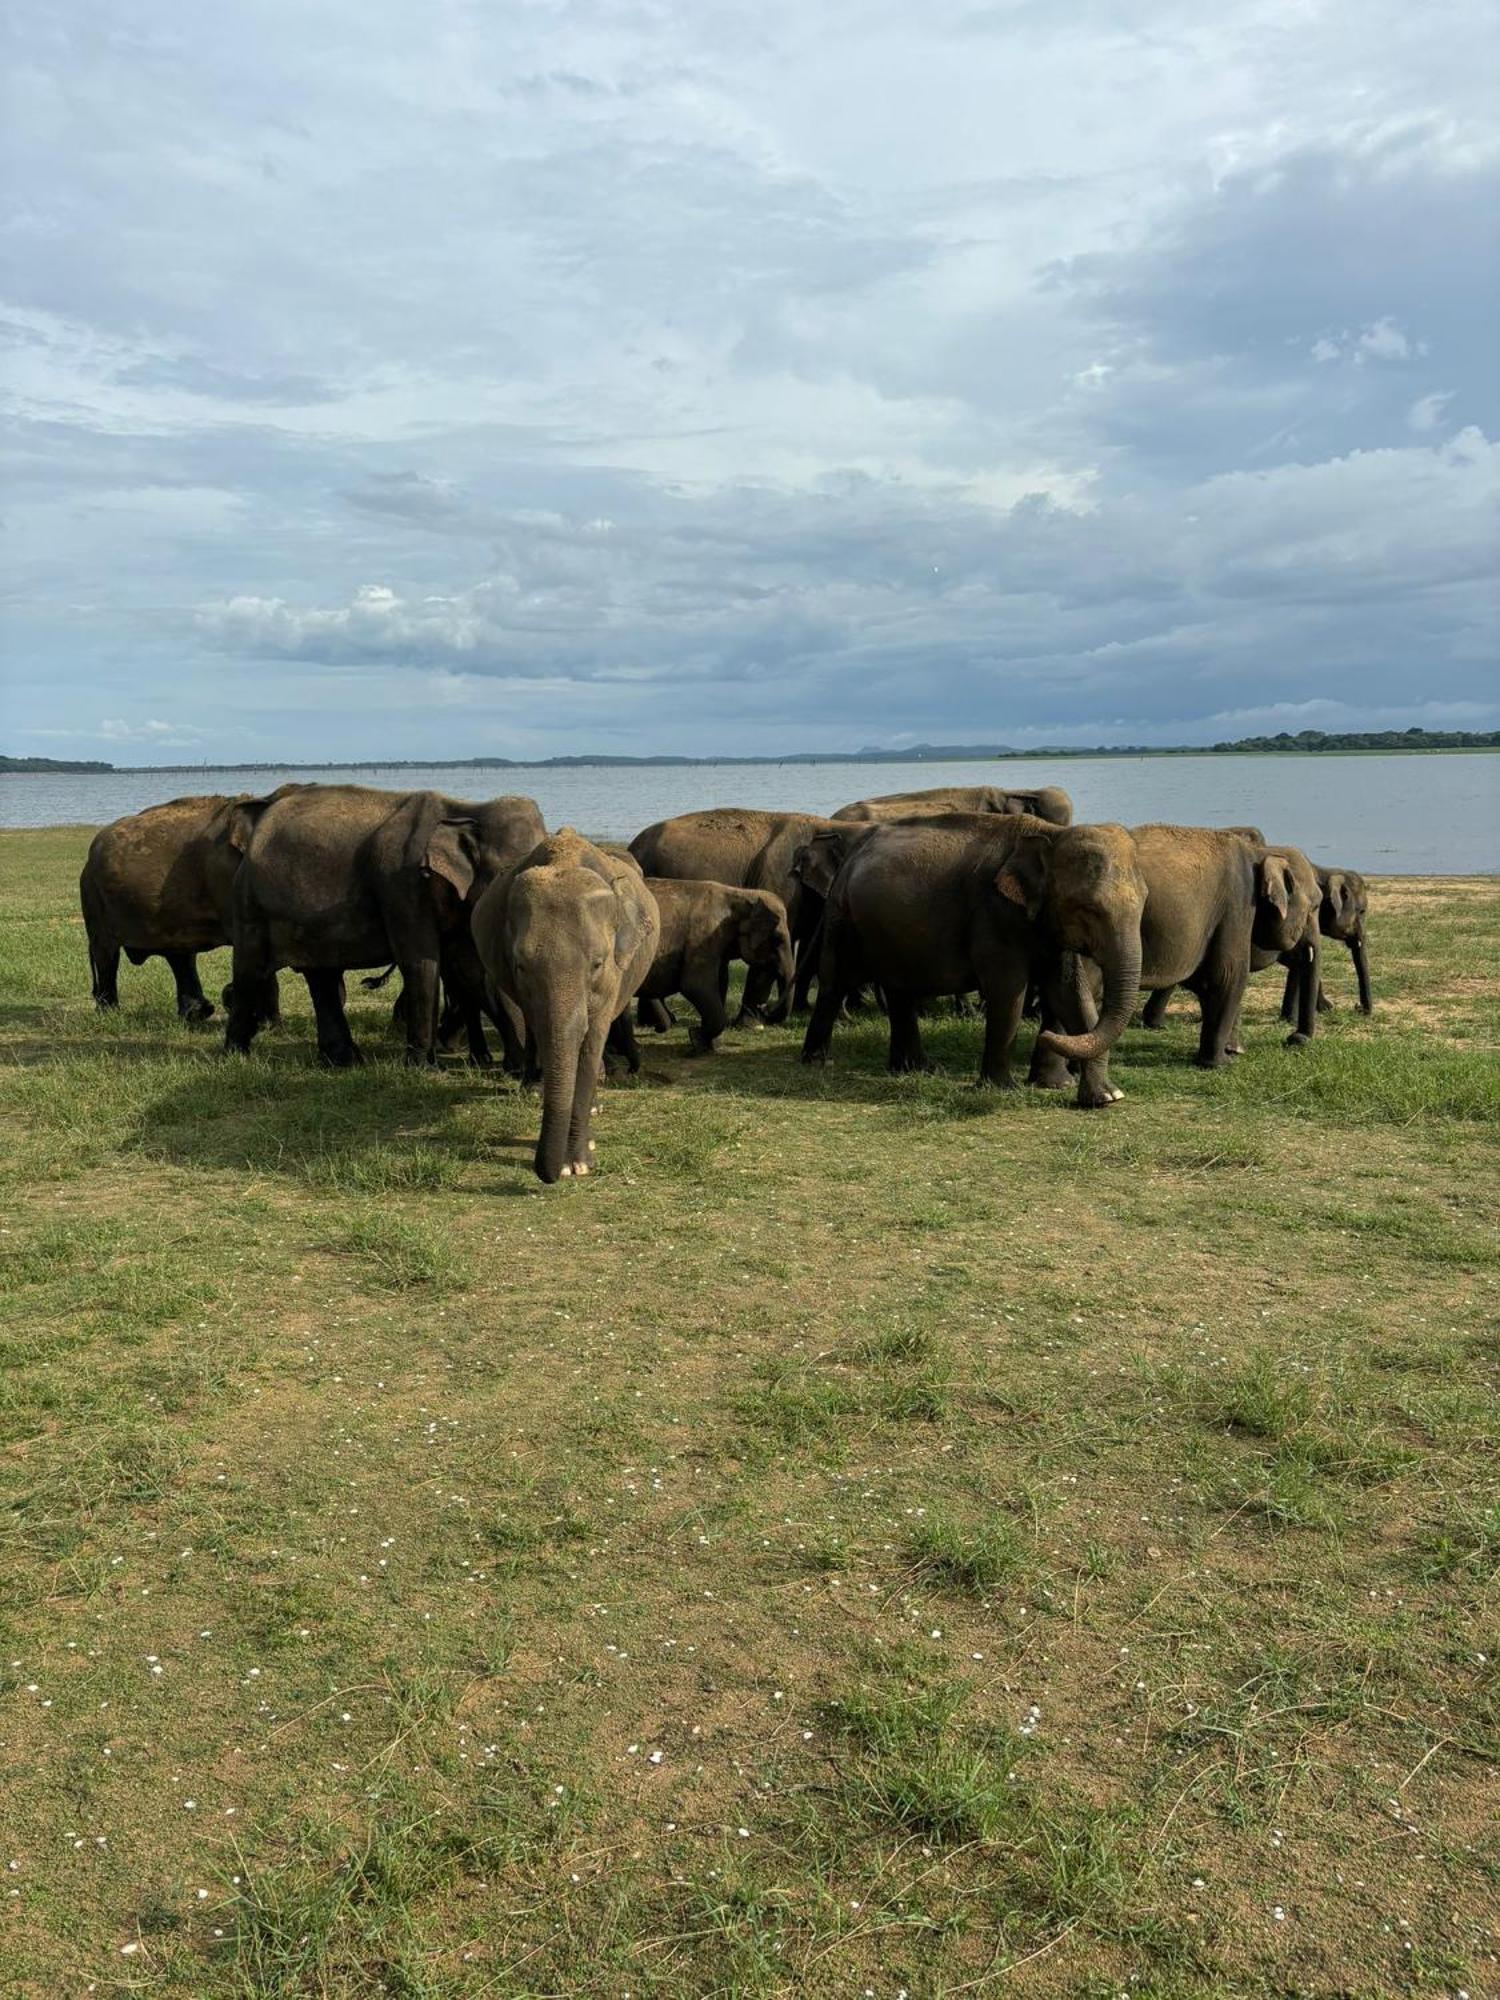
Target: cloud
<point>691,376</point>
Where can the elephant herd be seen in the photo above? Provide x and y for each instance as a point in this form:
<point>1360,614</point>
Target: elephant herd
<point>551,937</point>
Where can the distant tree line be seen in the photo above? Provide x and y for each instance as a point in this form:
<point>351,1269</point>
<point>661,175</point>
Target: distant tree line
<point>1371,739</point>
<point>1305,740</point>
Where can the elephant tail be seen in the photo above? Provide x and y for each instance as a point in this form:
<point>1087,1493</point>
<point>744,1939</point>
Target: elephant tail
<point>377,979</point>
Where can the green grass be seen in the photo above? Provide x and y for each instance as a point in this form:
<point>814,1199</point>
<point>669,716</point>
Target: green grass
<point>873,1534</point>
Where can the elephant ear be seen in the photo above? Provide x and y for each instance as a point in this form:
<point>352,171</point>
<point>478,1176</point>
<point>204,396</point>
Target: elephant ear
<point>815,864</point>
<point>244,817</point>
<point>1340,895</point>
<point>451,853</point>
<point>1023,879</point>
<point>1275,882</point>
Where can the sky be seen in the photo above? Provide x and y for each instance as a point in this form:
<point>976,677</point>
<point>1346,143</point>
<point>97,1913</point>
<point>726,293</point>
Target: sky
<point>636,375</point>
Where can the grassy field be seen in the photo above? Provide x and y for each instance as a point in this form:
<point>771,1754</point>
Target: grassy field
<point>874,1538</point>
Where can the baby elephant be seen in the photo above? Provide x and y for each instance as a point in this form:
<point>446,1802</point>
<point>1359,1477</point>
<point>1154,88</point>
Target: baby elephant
<point>566,936</point>
<point>705,926</point>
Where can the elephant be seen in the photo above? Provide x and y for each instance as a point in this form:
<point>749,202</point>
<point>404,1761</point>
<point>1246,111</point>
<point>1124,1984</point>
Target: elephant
<point>339,877</point>
<point>159,883</point>
<point>566,936</point>
<point>746,849</point>
<point>948,905</point>
<point>1213,898</point>
<point>1341,915</point>
<point>1048,802</point>
<point>705,926</point>
<point>1287,882</point>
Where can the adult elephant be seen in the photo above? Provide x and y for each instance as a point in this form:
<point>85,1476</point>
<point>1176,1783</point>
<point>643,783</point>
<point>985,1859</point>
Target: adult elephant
<point>705,927</point>
<point>747,849</point>
<point>339,877</point>
<point>158,884</point>
<point>1048,802</point>
<point>988,902</point>
<point>1284,931</point>
<point>1342,910</point>
<point>1213,897</point>
<point>567,936</point>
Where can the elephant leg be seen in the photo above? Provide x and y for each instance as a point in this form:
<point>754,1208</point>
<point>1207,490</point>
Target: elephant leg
<point>1289,990</point>
<point>755,1002</point>
<point>1308,969</point>
<point>1154,1013</point>
<point>193,1003</point>
<point>419,983</point>
<point>808,950</point>
<point>1004,1003</point>
<point>251,995</point>
<point>621,1042</point>
<point>455,1017</point>
<point>837,976</point>
<point>1065,1004</point>
<point>1220,986</point>
<point>104,968</point>
<point>336,1048</point>
<point>906,1052</point>
<point>705,995</point>
<point>655,1015</point>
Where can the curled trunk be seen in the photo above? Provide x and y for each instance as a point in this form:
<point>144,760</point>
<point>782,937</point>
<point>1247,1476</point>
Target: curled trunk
<point>1122,982</point>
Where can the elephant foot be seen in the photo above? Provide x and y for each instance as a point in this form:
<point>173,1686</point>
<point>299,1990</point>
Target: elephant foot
<point>473,1060</point>
<point>1298,1040</point>
<point>917,1066</point>
<point>193,1011</point>
<point>1051,1074</point>
<point>1005,1082</point>
<point>1212,1062</point>
<point>1096,1096</point>
<point>344,1058</point>
<point>754,1021</point>
<point>815,1058</point>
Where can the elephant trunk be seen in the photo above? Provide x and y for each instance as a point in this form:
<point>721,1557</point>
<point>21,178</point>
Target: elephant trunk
<point>786,977</point>
<point>559,1066</point>
<point>1122,984</point>
<point>1361,970</point>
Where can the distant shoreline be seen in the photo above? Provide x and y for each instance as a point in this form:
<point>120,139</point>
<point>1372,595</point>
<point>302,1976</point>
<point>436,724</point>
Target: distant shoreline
<point>958,754</point>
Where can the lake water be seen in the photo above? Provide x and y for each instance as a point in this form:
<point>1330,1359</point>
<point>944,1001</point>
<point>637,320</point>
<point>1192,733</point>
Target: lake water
<point>1402,815</point>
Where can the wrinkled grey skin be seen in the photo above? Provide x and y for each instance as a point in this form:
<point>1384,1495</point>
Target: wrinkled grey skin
<point>1049,802</point>
<point>1341,915</point>
<point>339,877</point>
<point>566,937</point>
<point>159,883</point>
<point>1213,898</point>
<point>1287,891</point>
<point>748,849</point>
<point>705,927</point>
<point>989,903</point>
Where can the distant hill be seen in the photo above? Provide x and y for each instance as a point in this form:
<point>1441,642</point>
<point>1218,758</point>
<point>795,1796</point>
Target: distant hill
<point>1305,742</point>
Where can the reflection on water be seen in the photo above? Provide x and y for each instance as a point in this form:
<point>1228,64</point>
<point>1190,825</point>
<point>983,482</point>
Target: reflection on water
<point>1436,814</point>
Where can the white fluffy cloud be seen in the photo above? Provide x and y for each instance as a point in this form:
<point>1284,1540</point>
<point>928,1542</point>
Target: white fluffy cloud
<point>851,374</point>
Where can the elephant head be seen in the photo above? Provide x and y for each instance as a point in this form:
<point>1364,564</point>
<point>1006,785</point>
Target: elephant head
<point>818,860</point>
<point>1344,904</point>
<point>1082,885</point>
<point>1287,895</point>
